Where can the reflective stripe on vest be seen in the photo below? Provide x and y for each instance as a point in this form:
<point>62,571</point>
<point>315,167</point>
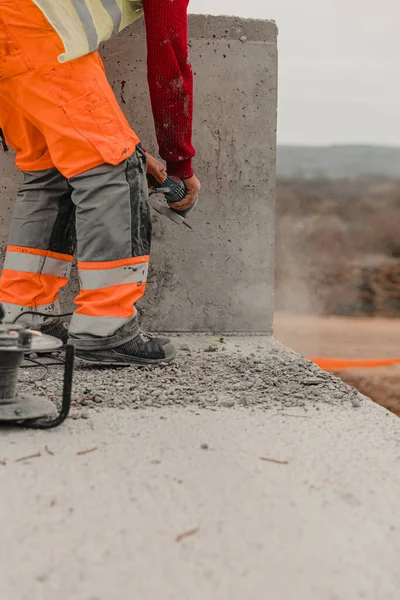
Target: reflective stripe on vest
<point>83,24</point>
<point>111,6</point>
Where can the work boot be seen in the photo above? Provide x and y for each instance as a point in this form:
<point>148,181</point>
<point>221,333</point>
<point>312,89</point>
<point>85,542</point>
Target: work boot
<point>56,328</point>
<point>143,350</point>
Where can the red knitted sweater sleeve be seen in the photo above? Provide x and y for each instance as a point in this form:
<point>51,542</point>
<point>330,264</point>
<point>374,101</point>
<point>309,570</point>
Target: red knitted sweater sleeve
<point>170,79</point>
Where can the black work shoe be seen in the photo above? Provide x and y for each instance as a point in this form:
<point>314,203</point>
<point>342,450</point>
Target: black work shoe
<point>143,350</point>
<point>57,329</point>
<point>154,336</point>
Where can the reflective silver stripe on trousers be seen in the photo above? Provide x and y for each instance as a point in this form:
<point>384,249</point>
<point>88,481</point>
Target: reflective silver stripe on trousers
<point>114,11</point>
<point>13,310</point>
<point>33,263</point>
<point>87,23</point>
<point>96,326</point>
<point>96,280</point>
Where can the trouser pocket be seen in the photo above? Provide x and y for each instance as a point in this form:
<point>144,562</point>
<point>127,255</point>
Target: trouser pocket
<point>95,118</point>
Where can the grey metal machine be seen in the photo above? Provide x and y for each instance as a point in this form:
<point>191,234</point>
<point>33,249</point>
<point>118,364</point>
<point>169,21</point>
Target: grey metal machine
<point>16,343</point>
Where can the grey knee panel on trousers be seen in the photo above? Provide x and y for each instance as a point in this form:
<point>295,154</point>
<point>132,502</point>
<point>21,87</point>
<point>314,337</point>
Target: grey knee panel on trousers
<point>112,215</point>
<point>44,214</point>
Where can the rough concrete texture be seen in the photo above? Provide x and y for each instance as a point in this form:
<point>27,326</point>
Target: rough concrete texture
<point>208,373</point>
<point>180,501</point>
<point>220,276</point>
<point>9,179</point>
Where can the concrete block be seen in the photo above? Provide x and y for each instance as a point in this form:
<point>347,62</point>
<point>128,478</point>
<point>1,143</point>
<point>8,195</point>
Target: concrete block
<point>220,276</point>
<point>10,177</point>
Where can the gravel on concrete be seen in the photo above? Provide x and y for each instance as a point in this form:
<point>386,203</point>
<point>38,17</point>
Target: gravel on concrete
<point>208,373</point>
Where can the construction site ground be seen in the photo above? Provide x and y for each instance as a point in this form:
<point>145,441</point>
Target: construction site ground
<point>242,471</point>
<point>352,338</point>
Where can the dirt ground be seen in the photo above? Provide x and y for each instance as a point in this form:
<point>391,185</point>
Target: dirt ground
<point>343,337</point>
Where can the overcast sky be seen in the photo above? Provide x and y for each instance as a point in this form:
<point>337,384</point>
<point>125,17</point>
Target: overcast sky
<point>339,67</point>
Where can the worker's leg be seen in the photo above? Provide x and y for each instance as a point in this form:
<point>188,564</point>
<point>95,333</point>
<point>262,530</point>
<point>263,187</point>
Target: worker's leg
<point>114,235</point>
<point>38,258</point>
<point>92,145</point>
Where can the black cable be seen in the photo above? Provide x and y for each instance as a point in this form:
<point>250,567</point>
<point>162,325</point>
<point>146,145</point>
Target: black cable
<point>36,364</point>
<point>66,397</point>
<point>41,314</point>
<point>58,362</point>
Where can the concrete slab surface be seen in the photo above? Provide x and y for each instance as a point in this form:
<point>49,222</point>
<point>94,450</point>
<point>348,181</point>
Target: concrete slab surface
<point>106,524</point>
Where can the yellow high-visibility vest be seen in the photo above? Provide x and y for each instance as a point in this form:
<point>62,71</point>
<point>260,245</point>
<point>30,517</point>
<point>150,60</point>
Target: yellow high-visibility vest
<point>83,24</point>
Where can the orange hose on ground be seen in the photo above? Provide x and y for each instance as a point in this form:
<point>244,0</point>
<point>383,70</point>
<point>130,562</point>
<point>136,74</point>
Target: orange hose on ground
<point>338,364</point>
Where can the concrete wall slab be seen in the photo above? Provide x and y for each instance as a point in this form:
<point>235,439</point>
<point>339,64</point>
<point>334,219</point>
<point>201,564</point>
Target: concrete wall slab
<point>220,276</point>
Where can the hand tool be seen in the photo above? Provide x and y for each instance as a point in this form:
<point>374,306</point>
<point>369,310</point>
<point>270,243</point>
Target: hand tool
<point>174,190</point>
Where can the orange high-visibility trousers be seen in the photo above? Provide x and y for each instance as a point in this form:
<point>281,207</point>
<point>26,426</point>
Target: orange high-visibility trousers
<point>62,115</point>
<point>73,142</point>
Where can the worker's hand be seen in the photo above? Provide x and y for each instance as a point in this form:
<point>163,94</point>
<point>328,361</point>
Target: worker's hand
<point>193,187</point>
<point>156,168</point>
